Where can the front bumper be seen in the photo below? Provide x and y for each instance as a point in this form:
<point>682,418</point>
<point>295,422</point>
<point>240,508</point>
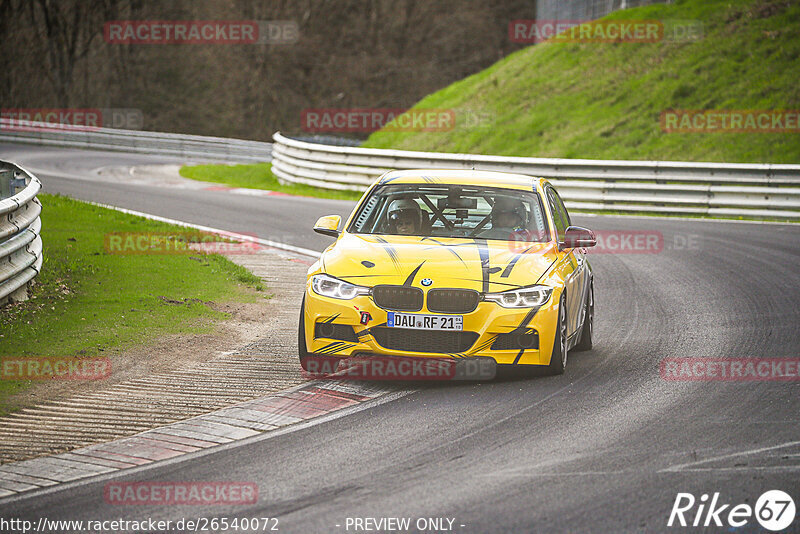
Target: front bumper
<point>488,321</point>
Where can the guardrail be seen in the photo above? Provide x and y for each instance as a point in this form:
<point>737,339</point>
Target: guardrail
<point>20,228</point>
<point>654,187</point>
<point>168,144</point>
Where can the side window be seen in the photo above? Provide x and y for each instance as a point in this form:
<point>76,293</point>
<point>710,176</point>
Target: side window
<point>559,217</point>
<point>564,211</point>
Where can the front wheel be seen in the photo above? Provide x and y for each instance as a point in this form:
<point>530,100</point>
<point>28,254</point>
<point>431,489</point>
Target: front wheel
<point>585,342</point>
<point>558,359</point>
<point>302,350</point>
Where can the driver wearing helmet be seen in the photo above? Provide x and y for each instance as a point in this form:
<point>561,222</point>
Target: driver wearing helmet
<point>405,217</point>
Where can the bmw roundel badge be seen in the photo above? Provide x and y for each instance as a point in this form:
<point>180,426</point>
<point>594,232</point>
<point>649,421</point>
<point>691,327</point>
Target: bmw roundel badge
<point>426,282</point>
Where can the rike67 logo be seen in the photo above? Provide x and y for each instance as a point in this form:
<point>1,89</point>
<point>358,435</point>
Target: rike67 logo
<point>774,511</point>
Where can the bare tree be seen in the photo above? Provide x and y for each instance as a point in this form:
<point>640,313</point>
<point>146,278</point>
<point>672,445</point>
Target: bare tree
<point>68,28</point>
<point>350,53</point>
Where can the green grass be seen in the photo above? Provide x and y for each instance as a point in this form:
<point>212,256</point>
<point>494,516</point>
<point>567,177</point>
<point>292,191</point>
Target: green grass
<point>258,176</point>
<point>88,302</point>
<point>604,100</point>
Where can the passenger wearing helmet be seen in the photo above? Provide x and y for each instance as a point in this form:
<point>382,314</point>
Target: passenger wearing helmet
<point>509,214</point>
<point>508,217</point>
<point>405,217</point>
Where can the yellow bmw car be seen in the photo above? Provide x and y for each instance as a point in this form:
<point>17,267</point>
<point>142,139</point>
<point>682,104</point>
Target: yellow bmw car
<point>455,265</point>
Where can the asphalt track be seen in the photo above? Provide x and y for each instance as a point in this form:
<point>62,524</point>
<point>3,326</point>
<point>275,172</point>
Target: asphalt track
<point>604,448</point>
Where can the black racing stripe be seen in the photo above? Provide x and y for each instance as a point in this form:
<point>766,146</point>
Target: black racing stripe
<point>389,250</point>
<point>410,279</point>
<point>523,325</point>
<point>483,346</point>
<point>523,328</point>
<point>329,346</point>
<point>331,318</point>
<point>469,243</point>
<point>510,266</point>
<point>513,262</point>
<point>369,330</point>
<point>331,350</point>
<point>483,252</point>
<point>448,247</point>
<point>388,180</point>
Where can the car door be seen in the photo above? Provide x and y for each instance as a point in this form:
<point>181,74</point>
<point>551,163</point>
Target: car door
<point>580,276</point>
<point>566,262</point>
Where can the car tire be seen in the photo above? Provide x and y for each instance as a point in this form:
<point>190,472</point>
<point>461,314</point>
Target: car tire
<point>558,359</point>
<point>302,350</point>
<point>585,342</point>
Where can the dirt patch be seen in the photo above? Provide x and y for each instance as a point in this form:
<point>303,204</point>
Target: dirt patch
<point>251,354</point>
<point>769,8</point>
<point>247,323</point>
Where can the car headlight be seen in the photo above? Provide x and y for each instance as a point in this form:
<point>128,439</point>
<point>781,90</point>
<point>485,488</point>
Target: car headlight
<point>527,297</point>
<point>328,286</point>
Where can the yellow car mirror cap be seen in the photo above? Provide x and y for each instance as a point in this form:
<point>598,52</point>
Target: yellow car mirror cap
<point>328,225</point>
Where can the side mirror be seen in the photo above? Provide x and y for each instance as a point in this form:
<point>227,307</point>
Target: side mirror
<point>328,225</point>
<point>577,236</point>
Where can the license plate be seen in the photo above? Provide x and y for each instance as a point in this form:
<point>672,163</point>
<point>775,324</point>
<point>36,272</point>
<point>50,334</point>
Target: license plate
<point>425,322</point>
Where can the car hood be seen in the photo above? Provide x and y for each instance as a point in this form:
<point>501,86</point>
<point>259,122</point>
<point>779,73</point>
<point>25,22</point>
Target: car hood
<point>481,264</point>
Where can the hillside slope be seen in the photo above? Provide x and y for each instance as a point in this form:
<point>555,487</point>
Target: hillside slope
<point>605,100</point>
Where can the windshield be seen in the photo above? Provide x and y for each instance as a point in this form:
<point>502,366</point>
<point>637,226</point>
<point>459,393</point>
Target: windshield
<point>452,211</point>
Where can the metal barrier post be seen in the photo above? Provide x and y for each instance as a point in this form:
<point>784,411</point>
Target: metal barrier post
<point>20,229</point>
<point>6,191</point>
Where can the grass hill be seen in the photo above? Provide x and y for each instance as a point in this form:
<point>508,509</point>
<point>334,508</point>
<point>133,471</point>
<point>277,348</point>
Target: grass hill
<point>605,100</point>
